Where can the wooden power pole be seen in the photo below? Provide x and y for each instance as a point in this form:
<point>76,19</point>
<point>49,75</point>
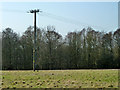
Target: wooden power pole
<point>34,48</point>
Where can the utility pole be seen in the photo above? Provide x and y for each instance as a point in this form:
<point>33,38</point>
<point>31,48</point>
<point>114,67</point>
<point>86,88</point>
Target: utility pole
<point>34,48</point>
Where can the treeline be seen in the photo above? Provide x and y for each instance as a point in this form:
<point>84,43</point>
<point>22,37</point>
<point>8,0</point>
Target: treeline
<point>84,49</point>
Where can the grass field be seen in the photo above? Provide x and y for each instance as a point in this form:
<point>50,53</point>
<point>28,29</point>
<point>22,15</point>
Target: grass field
<point>60,79</point>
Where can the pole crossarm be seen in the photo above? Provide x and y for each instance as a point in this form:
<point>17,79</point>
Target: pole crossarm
<point>34,11</point>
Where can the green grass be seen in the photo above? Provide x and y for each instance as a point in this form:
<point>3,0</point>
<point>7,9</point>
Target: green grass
<point>60,79</point>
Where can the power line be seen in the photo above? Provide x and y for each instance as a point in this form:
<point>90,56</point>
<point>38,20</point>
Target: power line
<point>62,19</point>
<point>13,11</point>
<point>75,22</point>
<point>71,21</point>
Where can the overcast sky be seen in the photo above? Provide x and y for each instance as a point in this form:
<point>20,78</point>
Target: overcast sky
<point>64,16</point>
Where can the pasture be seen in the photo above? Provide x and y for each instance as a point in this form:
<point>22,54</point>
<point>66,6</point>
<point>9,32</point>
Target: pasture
<point>60,79</point>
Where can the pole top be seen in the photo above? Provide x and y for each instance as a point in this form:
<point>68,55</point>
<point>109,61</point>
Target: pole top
<point>35,10</point>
